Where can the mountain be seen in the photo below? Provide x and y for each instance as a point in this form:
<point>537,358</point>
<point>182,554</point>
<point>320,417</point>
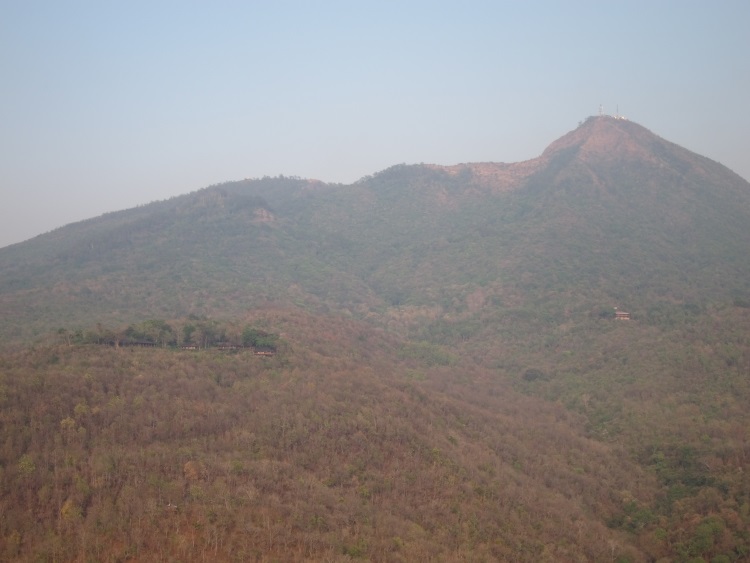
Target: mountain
<point>457,319</point>
<point>609,211</point>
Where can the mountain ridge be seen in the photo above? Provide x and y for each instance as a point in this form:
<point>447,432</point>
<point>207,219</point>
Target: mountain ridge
<point>597,135</point>
<point>590,188</point>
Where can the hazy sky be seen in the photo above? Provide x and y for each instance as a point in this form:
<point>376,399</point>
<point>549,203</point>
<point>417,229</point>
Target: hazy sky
<point>105,105</point>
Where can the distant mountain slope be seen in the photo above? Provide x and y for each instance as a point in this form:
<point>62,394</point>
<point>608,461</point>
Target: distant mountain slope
<point>188,254</point>
<point>621,208</point>
<point>609,211</point>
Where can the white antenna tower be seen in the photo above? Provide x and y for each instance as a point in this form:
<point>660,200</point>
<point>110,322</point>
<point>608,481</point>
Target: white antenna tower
<point>601,109</point>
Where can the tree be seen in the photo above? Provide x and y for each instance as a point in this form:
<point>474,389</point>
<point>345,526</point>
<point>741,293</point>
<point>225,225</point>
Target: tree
<point>259,338</point>
<point>207,333</point>
<point>159,331</point>
<point>187,333</point>
<point>26,465</point>
<point>250,335</point>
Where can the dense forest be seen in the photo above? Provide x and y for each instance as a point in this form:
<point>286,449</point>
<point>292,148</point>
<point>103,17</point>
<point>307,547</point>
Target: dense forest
<point>194,333</point>
<point>425,365</point>
<point>355,443</point>
<point>395,453</point>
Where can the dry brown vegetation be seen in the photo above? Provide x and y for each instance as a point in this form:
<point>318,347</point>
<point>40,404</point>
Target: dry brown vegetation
<point>322,454</point>
<point>448,383</point>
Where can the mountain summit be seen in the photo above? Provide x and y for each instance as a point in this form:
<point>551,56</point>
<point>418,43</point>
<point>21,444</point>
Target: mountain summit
<point>610,141</point>
<point>608,137</point>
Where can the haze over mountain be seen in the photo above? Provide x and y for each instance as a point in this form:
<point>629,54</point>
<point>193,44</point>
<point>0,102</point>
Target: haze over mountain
<point>416,309</point>
<point>609,212</point>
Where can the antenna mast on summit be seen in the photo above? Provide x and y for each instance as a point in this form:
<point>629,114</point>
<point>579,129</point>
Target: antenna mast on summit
<point>601,110</point>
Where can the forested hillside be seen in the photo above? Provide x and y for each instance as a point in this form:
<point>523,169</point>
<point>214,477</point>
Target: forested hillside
<point>350,444</point>
<point>448,379</point>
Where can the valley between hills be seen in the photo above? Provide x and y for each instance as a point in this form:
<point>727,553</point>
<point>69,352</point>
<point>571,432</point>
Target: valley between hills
<point>424,365</point>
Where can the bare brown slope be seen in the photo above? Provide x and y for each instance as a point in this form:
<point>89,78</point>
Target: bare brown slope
<point>598,139</point>
<point>497,177</point>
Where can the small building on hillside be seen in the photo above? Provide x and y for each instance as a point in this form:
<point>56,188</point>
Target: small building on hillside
<point>621,315</point>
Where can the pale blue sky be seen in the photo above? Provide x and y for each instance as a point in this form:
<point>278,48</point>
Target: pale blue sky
<point>106,105</point>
